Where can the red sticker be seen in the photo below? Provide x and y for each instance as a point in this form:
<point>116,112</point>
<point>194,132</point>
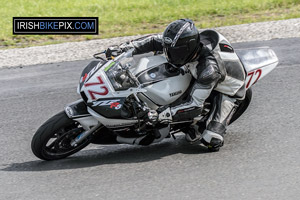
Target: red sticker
<point>83,78</point>
<point>114,105</point>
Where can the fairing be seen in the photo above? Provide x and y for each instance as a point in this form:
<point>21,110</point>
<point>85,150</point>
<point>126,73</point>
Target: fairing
<point>108,107</point>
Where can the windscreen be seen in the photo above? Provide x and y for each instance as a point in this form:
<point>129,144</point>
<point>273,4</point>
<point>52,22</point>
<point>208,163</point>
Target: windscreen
<point>118,76</point>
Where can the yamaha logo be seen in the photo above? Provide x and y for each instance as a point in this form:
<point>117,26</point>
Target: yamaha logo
<point>175,93</point>
<point>168,40</point>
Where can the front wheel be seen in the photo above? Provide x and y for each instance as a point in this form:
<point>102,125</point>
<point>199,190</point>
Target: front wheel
<point>53,139</point>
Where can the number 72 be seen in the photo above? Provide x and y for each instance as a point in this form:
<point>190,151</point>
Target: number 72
<point>256,73</point>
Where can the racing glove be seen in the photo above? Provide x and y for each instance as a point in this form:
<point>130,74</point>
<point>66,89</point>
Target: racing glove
<point>114,51</point>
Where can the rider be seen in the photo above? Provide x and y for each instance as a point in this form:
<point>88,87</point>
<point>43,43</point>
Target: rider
<point>215,67</point>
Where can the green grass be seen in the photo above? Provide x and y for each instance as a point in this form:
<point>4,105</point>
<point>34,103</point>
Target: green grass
<point>131,17</point>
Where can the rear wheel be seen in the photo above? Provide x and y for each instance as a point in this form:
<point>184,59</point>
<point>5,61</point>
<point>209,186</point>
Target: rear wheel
<point>242,106</point>
<point>53,139</point>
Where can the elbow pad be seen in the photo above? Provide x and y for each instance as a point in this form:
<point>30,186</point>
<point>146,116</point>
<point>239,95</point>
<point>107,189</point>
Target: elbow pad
<point>209,76</point>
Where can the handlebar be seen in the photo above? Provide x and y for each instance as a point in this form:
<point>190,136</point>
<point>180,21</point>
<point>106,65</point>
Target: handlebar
<point>128,53</point>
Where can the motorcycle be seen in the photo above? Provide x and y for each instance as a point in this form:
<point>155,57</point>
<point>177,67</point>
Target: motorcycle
<point>117,94</point>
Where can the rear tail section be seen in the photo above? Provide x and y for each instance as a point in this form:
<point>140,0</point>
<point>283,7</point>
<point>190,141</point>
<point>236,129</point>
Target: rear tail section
<point>257,62</point>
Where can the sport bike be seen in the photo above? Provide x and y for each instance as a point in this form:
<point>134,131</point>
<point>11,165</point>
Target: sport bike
<point>120,97</point>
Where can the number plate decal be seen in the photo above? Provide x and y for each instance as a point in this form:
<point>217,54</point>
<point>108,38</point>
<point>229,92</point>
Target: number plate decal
<point>256,73</point>
<point>102,86</point>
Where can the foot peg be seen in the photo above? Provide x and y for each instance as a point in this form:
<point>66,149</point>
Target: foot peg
<point>192,135</point>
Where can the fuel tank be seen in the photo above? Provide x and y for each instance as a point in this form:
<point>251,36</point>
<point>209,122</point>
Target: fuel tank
<point>163,84</point>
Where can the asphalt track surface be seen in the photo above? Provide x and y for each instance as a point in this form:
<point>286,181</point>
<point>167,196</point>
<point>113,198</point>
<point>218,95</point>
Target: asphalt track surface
<point>260,159</point>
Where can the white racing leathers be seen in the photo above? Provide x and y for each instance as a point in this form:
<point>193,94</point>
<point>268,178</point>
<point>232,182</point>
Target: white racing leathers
<point>219,69</point>
<point>216,68</point>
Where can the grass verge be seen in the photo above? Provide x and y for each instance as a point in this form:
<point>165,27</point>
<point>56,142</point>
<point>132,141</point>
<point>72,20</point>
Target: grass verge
<point>131,17</point>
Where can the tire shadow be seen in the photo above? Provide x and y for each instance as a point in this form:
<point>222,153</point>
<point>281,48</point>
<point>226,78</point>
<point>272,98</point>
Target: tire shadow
<point>112,154</point>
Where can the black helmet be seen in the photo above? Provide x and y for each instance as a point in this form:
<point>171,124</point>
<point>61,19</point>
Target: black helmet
<point>181,41</point>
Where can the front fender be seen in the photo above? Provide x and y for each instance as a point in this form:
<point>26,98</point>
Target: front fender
<point>77,109</point>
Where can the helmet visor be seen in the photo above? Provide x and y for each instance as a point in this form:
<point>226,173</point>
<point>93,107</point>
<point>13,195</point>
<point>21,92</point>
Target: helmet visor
<point>177,55</point>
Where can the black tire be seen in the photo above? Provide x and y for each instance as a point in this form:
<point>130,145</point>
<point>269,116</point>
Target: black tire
<point>242,106</point>
<point>61,130</point>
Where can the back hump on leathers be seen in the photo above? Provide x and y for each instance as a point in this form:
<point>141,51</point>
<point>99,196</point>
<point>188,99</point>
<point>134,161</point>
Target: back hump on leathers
<point>229,63</point>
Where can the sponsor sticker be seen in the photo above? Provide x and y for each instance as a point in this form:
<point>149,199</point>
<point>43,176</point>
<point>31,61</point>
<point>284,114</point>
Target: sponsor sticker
<point>168,40</point>
<point>226,48</point>
<point>115,105</point>
<point>109,66</point>
<point>106,102</point>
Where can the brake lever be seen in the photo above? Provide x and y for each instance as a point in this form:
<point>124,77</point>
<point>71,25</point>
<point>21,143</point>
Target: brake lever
<point>96,55</point>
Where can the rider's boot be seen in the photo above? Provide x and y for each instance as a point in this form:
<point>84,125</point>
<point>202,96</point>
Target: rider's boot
<point>213,136</point>
<point>212,140</point>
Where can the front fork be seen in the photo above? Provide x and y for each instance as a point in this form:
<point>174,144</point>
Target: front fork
<point>77,111</point>
<point>85,134</point>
